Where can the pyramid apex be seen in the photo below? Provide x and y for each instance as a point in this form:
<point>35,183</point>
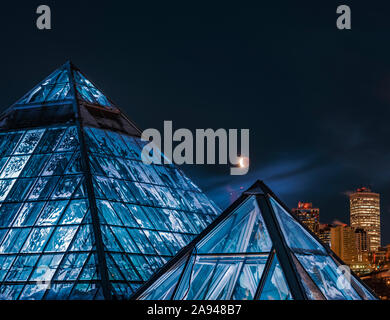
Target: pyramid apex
<point>256,188</point>
<point>70,64</point>
<point>53,100</point>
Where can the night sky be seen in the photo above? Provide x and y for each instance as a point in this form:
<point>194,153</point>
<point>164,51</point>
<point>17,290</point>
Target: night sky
<point>316,99</point>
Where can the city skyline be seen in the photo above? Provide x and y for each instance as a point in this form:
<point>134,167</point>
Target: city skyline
<point>364,213</point>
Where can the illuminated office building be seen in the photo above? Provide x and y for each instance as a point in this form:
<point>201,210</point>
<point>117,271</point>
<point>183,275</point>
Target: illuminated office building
<point>343,242</point>
<point>365,214</point>
<point>81,216</point>
<point>308,215</point>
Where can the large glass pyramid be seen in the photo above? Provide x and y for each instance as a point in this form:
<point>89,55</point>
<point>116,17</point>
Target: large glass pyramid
<point>255,250</point>
<point>81,216</point>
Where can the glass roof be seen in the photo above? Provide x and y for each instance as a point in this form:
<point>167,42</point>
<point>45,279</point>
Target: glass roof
<point>74,197</point>
<point>254,254</point>
<point>146,214</point>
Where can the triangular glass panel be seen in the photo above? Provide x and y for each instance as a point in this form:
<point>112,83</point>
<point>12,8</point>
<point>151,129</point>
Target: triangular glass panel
<point>166,285</point>
<point>54,88</point>
<point>88,92</point>
<point>275,286</point>
<point>312,291</point>
<point>328,277</point>
<point>296,235</point>
<point>250,275</point>
<point>243,231</point>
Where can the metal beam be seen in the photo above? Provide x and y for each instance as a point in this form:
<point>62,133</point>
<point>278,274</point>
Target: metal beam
<point>281,249</point>
<point>102,263</point>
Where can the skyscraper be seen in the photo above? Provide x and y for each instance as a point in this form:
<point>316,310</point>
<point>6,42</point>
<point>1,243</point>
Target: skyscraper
<point>81,216</point>
<point>365,214</point>
<point>308,215</point>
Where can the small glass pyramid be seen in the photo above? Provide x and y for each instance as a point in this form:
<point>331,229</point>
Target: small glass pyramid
<point>255,250</point>
<point>81,216</point>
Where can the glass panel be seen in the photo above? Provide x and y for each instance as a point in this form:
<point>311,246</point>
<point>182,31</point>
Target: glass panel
<point>14,167</point>
<point>158,243</point>
<point>69,141</point>
<point>9,142</point>
<point>57,164</point>
<point>296,236</point>
<point>59,291</point>
<point>243,231</point>
<point>29,141</point>
<point>7,213</point>
<point>361,289</point>
<point>22,268</point>
<point>125,240</point>
<point>142,266</point>
<point>141,240</point>
<point>49,141</point>
<point>195,279</point>
<point>275,287</point>
<point>324,272</point>
<point>66,186</point>
<point>5,188</point>
<point>51,213</point>
<point>14,240</point>
<point>164,287</point>
<point>89,92</point>
<point>10,292</point>
<point>84,291</point>
<point>35,165</point>
<point>312,291</point>
<point>61,239</point>
<point>5,263</point>
<point>53,88</point>
<point>83,239</point>
<point>125,267</point>
<point>124,214</point>
<point>20,189</point>
<point>140,217</point>
<point>43,188</point>
<point>46,267</point>
<point>33,291</point>
<point>89,270</point>
<point>249,278</point>
<point>75,212</point>
<point>71,266</point>
<point>28,214</point>
<point>37,239</point>
<point>108,213</point>
<point>109,239</point>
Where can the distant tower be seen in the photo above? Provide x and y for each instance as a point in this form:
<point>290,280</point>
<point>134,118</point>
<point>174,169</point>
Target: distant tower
<point>365,214</point>
<point>308,215</point>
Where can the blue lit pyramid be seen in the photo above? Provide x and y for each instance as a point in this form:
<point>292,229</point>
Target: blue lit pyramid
<point>255,250</point>
<point>81,216</point>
